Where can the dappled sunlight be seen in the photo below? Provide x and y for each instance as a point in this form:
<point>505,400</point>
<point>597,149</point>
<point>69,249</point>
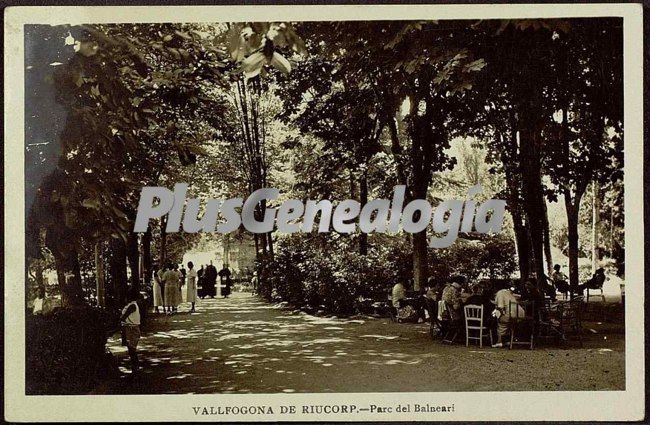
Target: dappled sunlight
<point>379,336</point>
<point>241,345</point>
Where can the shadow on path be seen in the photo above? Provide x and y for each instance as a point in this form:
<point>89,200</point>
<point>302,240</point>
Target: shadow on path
<point>244,345</point>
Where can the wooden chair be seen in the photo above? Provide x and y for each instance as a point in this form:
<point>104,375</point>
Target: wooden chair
<point>435,329</point>
<point>474,322</point>
<point>547,327</point>
<point>522,319</point>
<point>569,316</point>
<point>451,327</point>
<point>600,294</point>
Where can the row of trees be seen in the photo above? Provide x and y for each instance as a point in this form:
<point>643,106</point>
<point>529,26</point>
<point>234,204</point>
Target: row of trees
<point>367,105</point>
<point>543,97</point>
<point>145,105</point>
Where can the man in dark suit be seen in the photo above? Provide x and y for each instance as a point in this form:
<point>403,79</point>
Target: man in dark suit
<point>210,280</point>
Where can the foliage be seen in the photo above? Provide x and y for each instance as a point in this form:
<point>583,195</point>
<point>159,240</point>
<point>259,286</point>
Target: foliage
<point>66,353</point>
<point>493,258</point>
<point>364,106</point>
<point>322,272</point>
<point>327,273</point>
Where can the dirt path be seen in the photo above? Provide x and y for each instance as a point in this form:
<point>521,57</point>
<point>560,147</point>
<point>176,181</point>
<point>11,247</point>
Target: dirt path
<point>244,345</point>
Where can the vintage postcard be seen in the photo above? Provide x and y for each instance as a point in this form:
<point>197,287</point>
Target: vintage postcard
<point>324,213</point>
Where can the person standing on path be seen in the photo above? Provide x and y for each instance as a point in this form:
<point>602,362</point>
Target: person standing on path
<point>255,282</point>
<point>180,288</point>
<point>161,281</point>
<point>130,321</point>
<point>210,280</point>
<point>226,283</point>
<point>192,277</point>
<point>201,281</point>
<point>172,279</point>
<point>157,290</point>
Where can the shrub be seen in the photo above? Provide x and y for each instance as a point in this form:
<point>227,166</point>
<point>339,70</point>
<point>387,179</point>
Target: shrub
<point>327,272</point>
<point>65,351</point>
<point>493,257</point>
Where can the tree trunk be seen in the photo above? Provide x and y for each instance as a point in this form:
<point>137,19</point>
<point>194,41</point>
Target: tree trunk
<point>363,200</point>
<point>419,260</point>
<point>532,195</point>
<point>420,245</point>
<point>611,232</point>
<point>595,251</point>
<point>69,277</point>
<point>60,276</point>
<point>117,269</point>
<point>163,241</point>
<point>572,211</point>
<point>38,274</point>
<point>133,256</point>
<point>146,256</point>
<point>99,275</point>
<point>513,184</point>
<point>269,236</point>
<point>523,245</point>
<point>397,151</point>
<point>547,242</point>
<point>257,245</point>
<point>263,243</point>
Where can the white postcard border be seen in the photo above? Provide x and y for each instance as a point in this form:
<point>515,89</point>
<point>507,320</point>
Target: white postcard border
<point>502,406</point>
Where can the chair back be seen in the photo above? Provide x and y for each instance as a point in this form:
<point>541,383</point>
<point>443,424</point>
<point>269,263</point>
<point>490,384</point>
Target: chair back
<point>474,312</point>
<point>452,314</point>
<point>473,316</point>
<point>548,304</point>
<point>519,310</point>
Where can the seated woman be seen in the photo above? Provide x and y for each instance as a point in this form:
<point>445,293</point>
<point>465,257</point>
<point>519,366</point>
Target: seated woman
<point>504,313</point>
<point>451,297</point>
<point>398,294</point>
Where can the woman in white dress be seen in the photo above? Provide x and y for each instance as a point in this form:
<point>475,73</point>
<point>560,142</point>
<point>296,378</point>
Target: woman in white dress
<point>157,289</point>
<point>192,276</point>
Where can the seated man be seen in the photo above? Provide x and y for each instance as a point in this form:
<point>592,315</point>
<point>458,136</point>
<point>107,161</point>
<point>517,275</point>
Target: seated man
<point>560,280</point>
<point>502,300</point>
<point>596,282</point>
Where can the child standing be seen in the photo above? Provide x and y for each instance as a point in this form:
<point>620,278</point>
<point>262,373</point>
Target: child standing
<point>130,322</point>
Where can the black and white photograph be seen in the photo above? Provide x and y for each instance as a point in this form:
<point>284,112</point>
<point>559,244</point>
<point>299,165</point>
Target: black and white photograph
<point>272,207</point>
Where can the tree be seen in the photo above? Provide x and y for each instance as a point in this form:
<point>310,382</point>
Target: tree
<point>380,67</point>
<point>129,114</point>
<point>587,135</point>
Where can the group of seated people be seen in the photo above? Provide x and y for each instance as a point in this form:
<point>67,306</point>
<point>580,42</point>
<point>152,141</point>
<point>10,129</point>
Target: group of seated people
<point>500,304</point>
<point>559,282</point>
<point>444,301</point>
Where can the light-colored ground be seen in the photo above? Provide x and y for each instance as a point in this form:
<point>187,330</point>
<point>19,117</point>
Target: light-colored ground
<point>244,345</point>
